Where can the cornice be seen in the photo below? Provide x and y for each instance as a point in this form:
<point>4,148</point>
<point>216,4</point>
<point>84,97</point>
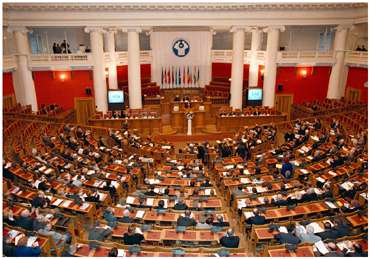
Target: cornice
<point>119,7</point>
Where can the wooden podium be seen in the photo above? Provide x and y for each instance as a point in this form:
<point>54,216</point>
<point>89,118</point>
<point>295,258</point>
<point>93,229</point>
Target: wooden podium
<point>179,121</point>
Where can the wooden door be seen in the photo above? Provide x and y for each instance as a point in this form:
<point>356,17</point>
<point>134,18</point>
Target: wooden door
<point>283,103</point>
<point>353,94</point>
<point>85,109</point>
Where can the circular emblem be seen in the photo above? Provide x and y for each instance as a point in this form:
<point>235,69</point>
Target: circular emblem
<point>181,48</point>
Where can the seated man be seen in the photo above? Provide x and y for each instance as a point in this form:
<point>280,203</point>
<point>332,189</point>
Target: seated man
<point>257,219</point>
<point>58,238</point>
<point>230,240</point>
<point>151,192</point>
<point>22,250</point>
<point>126,217</point>
<point>132,237</point>
<point>287,238</point>
<point>99,233</point>
<point>25,220</point>
<point>220,222</point>
<point>180,205</point>
<point>287,169</point>
<point>186,220</point>
<point>108,215</point>
<point>329,232</point>
<point>308,236</point>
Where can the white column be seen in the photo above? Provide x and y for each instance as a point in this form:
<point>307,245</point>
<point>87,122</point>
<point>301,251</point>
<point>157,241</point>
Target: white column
<point>134,79</point>
<point>110,47</point>
<point>236,88</point>
<point>100,88</point>
<point>24,87</point>
<point>270,64</point>
<point>335,89</point>
<point>253,66</point>
<point>208,68</point>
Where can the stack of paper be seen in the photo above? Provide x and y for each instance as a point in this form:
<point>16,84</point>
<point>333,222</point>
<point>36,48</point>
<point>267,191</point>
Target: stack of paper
<point>321,247</point>
<point>66,203</point>
<point>246,172</point>
<point>207,191</point>
<point>347,186</point>
<point>244,180</point>
<point>283,229</point>
<point>322,180</point>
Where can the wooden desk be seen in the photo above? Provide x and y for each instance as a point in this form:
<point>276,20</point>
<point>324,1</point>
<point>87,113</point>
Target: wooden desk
<point>143,125</point>
<point>302,251</point>
<point>231,124</point>
<point>357,220</point>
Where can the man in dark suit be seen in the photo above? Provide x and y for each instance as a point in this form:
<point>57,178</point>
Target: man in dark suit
<point>24,220</point>
<point>98,233</point>
<point>151,192</point>
<point>287,238</point>
<point>180,205</point>
<point>220,222</point>
<point>186,220</point>
<point>257,219</point>
<point>230,240</point>
<point>329,232</point>
<point>131,237</point>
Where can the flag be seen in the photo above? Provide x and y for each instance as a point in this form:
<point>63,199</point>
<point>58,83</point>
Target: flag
<point>183,76</point>
<point>188,76</point>
<point>162,77</point>
<point>179,76</point>
<point>198,75</point>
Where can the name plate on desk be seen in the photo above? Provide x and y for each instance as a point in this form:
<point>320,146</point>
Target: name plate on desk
<point>176,108</point>
<point>201,108</point>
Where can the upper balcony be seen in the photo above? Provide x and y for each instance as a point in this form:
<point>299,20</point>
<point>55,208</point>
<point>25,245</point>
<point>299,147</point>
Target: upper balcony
<point>85,60</point>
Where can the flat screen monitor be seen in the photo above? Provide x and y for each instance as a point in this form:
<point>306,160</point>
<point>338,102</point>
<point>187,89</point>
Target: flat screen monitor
<point>255,94</point>
<point>115,97</point>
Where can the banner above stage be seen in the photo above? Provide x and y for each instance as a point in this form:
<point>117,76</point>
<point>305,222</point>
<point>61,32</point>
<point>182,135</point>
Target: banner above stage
<point>181,59</point>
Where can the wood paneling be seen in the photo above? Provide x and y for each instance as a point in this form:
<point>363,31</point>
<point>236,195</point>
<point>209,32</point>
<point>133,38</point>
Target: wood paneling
<point>283,103</point>
<point>85,108</point>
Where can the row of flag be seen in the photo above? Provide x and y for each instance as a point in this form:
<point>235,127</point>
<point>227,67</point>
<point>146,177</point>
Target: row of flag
<point>180,76</point>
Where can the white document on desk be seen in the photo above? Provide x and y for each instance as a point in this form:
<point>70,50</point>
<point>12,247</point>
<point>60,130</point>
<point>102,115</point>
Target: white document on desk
<point>248,214</point>
<point>121,253</point>
<point>140,214</point>
<point>84,206</point>
<point>330,204</point>
<point>283,229</point>
<point>130,200</point>
<point>207,192</point>
<point>316,227</point>
<point>66,203</point>
<point>241,204</point>
<point>149,201</point>
<point>322,180</point>
<point>321,247</point>
<point>57,202</point>
<point>244,180</point>
<point>246,172</point>
<point>165,203</point>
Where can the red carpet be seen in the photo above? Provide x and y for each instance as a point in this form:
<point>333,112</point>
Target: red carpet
<point>197,138</point>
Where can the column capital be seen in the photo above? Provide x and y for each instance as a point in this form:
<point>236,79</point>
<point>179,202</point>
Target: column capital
<point>132,29</point>
<point>252,28</point>
<point>21,29</point>
<point>237,28</point>
<point>344,26</point>
<point>110,30</point>
<point>94,29</point>
<point>281,28</point>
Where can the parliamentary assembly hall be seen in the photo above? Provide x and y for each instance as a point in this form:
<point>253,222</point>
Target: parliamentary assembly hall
<point>185,129</point>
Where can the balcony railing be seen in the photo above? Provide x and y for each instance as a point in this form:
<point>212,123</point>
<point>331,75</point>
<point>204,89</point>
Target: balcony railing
<point>226,56</point>
<point>122,57</point>
<point>304,57</point>
<point>61,59</point>
<point>356,57</point>
<point>9,62</point>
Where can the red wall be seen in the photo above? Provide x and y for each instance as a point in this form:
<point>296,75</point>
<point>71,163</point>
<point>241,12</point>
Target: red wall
<point>8,87</point>
<point>357,76</point>
<point>122,72</point>
<point>313,87</point>
<point>221,70</point>
<point>50,88</point>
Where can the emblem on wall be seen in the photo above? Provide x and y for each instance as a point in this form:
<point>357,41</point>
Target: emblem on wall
<point>181,48</point>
